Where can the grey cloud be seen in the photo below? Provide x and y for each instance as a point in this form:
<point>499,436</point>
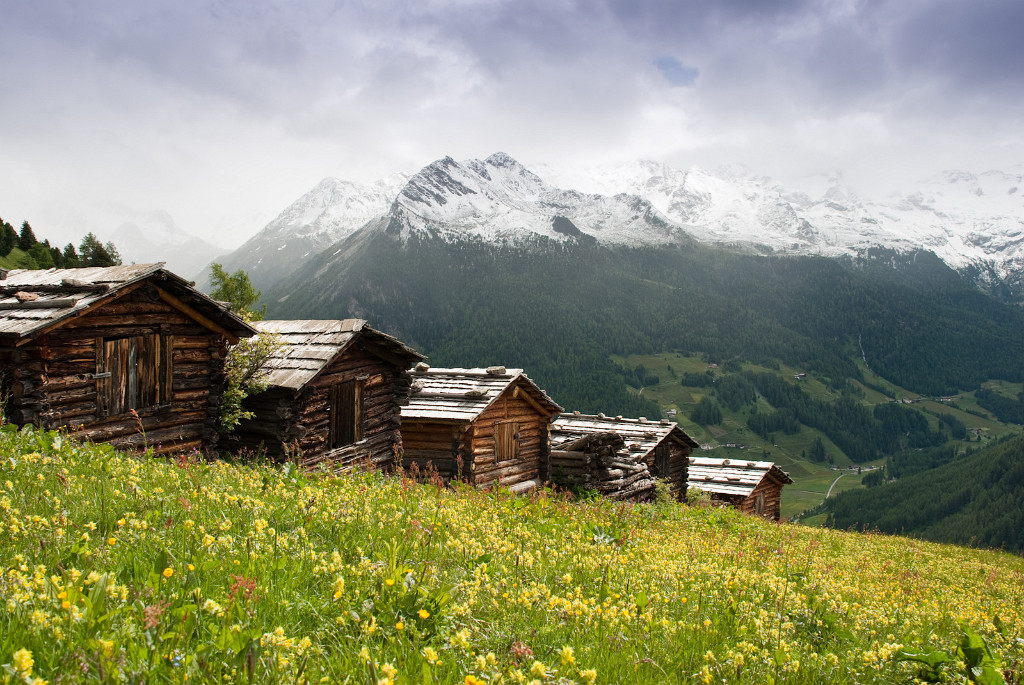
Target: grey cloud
<point>971,45</point>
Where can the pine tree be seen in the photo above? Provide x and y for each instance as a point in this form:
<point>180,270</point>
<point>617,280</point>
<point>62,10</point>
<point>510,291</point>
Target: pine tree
<point>70,256</point>
<point>8,238</point>
<point>94,253</point>
<point>41,256</point>
<point>26,239</point>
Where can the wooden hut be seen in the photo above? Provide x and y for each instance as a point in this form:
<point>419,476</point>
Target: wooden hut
<point>335,394</point>
<point>620,458</point>
<point>485,426</point>
<point>753,487</point>
<point>128,355</point>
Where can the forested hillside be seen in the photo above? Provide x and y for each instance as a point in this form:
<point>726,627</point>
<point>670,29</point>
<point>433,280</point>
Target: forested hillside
<point>22,250</point>
<point>973,500</point>
<point>561,310</point>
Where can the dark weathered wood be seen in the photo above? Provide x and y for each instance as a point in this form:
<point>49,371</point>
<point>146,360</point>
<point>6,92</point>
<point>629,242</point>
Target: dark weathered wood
<point>346,417</point>
<point>118,357</point>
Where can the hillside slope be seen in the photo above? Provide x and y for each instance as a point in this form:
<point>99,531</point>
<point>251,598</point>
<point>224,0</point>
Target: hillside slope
<point>135,569</point>
<point>561,309</point>
<point>977,499</point>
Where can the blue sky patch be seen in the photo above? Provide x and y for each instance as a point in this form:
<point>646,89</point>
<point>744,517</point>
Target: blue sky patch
<point>675,73</point>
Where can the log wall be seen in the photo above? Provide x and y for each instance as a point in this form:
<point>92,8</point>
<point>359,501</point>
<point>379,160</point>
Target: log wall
<point>296,424</point>
<point>772,491</point>
<point>601,462</point>
<point>468,451</point>
<point>50,380</point>
<point>522,472</point>
<point>431,447</point>
<point>678,467</point>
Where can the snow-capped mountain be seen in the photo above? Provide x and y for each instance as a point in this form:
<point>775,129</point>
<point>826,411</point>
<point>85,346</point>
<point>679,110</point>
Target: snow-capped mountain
<point>965,219</point>
<point>498,199</point>
<point>330,212</point>
<point>139,235</point>
<point>970,221</point>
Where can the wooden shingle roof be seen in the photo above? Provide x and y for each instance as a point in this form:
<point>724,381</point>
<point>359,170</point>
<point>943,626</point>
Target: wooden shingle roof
<point>34,301</point>
<point>732,476</point>
<point>461,395</point>
<point>640,435</point>
<point>310,345</point>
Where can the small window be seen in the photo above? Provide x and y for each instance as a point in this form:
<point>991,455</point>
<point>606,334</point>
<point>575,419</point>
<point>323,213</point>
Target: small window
<point>506,441</point>
<point>132,373</point>
<point>346,422</point>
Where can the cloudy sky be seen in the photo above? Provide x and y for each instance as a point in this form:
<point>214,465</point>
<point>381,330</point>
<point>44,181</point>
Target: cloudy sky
<point>220,113</point>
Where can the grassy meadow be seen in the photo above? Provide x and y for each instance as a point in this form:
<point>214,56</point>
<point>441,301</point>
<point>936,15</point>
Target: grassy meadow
<point>132,569</point>
<point>811,481</point>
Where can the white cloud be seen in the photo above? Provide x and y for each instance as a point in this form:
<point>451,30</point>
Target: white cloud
<point>232,108</point>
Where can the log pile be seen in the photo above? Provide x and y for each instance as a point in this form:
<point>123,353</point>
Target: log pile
<point>604,463</point>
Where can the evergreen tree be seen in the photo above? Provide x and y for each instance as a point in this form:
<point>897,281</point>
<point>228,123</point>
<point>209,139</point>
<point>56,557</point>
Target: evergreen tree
<point>94,253</point>
<point>26,239</point>
<point>706,413</point>
<point>41,256</point>
<point>817,450</point>
<point>8,238</point>
<point>70,256</point>
<point>57,257</point>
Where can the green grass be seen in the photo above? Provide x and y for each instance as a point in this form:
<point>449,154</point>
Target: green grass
<point>811,480</point>
<point>18,259</point>
<point>129,569</point>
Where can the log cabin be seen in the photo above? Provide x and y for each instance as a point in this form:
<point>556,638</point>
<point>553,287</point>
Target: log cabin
<point>620,458</point>
<point>334,396</point>
<point>127,355</point>
<point>484,426</point>
<point>753,487</point>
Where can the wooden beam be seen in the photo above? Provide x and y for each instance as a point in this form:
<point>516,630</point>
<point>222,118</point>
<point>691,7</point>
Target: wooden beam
<point>190,312</point>
<point>519,393</point>
<point>78,313</point>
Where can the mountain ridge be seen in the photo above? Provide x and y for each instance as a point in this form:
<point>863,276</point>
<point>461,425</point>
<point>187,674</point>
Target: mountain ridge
<point>974,222</point>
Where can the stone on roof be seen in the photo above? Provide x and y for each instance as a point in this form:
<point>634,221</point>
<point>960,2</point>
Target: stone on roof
<point>33,301</point>
<point>732,476</point>
<point>461,395</point>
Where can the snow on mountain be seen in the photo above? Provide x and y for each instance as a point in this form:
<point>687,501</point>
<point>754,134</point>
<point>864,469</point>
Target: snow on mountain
<point>155,237</point>
<point>140,235</point>
<point>334,209</point>
<point>498,199</point>
<point>330,212</point>
<point>965,219</point>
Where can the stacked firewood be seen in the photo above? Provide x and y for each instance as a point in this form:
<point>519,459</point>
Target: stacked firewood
<point>604,463</point>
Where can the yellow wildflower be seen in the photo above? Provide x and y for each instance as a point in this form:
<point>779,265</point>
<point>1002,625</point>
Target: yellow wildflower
<point>424,614</point>
<point>566,655</point>
<point>23,662</point>
<point>168,572</point>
